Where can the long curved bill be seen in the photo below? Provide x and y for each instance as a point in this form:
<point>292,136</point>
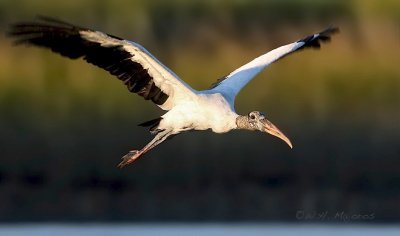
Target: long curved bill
<point>273,130</point>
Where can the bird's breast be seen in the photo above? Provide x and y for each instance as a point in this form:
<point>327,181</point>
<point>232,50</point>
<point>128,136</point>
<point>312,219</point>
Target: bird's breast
<point>208,111</point>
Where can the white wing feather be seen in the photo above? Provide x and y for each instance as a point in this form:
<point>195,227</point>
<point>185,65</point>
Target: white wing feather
<point>237,79</point>
<point>231,85</point>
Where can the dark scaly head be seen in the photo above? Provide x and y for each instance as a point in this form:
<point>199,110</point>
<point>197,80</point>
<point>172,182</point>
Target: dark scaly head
<point>256,121</point>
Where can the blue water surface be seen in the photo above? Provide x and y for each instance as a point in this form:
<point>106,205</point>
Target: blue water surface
<point>177,229</point>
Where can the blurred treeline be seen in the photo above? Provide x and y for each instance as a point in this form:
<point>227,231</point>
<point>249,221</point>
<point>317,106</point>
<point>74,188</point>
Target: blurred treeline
<point>65,124</point>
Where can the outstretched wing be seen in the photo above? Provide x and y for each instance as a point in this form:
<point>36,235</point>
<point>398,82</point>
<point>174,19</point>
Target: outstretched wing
<point>140,71</point>
<point>231,84</point>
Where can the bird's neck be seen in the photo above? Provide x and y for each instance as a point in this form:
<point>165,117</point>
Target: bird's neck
<point>242,122</point>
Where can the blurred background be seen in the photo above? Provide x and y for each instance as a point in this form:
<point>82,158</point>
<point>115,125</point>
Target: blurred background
<point>64,124</point>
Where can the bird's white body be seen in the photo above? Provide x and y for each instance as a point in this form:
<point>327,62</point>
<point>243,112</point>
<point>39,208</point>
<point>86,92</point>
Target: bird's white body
<point>187,109</point>
<point>206,111</point>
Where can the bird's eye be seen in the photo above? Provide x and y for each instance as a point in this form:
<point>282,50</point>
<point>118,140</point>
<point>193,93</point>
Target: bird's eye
<point>252,116</point>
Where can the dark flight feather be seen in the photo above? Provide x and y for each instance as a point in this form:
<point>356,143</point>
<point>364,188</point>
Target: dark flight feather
<point>66,39</point>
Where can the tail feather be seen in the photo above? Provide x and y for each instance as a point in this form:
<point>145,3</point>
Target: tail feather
<point>152,124</point>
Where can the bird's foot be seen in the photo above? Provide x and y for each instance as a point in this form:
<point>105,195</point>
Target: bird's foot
<point>129,158</point>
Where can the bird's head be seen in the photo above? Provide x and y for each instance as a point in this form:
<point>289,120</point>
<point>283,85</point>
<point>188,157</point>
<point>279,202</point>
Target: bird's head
<point>257,121</point>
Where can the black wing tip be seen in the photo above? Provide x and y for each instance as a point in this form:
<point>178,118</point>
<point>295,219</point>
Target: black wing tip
<point>44,23</point>
<point>59,22</point>
<point>314,41</point>
<point>24,31</point>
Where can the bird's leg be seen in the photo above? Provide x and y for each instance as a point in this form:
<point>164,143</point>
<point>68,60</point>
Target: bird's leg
<point>135,154</point>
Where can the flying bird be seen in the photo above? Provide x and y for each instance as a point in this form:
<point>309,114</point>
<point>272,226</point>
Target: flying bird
<point>187,108</point>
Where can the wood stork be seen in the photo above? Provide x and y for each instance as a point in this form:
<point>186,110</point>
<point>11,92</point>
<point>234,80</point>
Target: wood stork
<point>143,74</point>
